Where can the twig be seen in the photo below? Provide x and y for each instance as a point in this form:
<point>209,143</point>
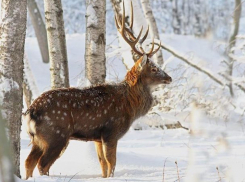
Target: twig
<point>218,174</point>
<point>73,176</point>
<point>163,172</point>
<point>177,170</point>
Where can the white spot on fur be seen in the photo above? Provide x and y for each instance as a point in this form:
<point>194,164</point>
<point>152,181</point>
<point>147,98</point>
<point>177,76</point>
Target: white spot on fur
<point>46,118</point>
<point>58,112</point>
<point>58,131</point>
<point>62,118</point>
<point>58,104</point>
<point>105,111</point>
<point>53,111</point>
<point>65,114</point>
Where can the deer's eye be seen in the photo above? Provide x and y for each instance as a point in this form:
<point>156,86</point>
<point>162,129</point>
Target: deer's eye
<point>154,70</point>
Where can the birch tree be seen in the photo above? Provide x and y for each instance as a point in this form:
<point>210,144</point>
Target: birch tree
<point>153,27</point>
<point>56,43</point>
<point>95,41</point>
<point>12,39</point>
<point>39,27</point>
<point>6,165</point>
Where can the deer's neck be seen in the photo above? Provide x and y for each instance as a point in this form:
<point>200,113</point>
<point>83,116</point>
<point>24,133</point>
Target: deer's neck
<point>140,100</point>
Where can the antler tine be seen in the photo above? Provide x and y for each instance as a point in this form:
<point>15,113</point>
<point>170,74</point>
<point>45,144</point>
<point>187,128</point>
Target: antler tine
<point>132,16</point>
<point>155,50</point>
<point>152,48</point>
<point>145,36</point>
<point>117,22</point>
<point>123,19</point>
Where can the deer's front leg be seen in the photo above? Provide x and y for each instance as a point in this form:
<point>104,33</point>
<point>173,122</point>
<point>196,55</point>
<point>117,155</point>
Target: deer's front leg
<point>103,163</point>
<point>109,149</point>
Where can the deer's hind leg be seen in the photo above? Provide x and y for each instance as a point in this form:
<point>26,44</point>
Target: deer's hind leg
<point>109,149</point>
<point>32,160</point>
<point>103,163</point>
<point>50,154</point>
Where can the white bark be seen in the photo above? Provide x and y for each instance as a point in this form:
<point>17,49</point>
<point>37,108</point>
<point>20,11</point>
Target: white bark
<point>12,39</point>
<point>6,165</point>
<point>153,27</point>
<point>56,43</point>
<point>95,41</point>
<point>30,89</point>
<point>39,27</point>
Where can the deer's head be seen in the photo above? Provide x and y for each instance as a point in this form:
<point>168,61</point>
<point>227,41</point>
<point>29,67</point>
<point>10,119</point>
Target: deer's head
<point>144,69</point>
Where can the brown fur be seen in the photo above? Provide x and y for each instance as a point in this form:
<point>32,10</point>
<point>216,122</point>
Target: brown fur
<point>102,114</point>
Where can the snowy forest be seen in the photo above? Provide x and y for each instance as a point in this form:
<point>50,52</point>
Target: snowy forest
<point>122,90</point>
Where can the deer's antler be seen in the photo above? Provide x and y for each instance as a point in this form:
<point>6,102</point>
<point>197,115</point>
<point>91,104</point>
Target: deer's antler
<point>128,36</point>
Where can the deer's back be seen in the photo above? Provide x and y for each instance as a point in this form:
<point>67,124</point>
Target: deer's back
<point>82,114</point>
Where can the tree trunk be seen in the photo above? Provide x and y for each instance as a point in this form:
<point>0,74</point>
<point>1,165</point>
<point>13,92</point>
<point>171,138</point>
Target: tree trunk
<point>232,40</point>
<point>12,40</point>
<point>39,27</point>
<point>56,43</point>
<point>153,27</point>
<point>95,41</point>
<point>6,165</point>
<point>30,89</point>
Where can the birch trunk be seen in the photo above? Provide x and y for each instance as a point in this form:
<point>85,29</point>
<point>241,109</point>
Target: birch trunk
<point>12,40</point>
<point>39,27</point>
<point>30,89</point>
<point>95,68</point>
<point>56,43</point>
<point>153,27</point>
<point>6,165</point>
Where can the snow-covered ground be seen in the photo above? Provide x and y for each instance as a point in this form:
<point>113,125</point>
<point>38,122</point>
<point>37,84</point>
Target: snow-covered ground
<point>213,151</point>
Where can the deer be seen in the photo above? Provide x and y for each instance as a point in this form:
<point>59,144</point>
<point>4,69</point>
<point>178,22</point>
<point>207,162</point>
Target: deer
<point>101,113</point>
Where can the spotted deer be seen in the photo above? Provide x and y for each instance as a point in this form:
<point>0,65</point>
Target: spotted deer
<point>101,113</point>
